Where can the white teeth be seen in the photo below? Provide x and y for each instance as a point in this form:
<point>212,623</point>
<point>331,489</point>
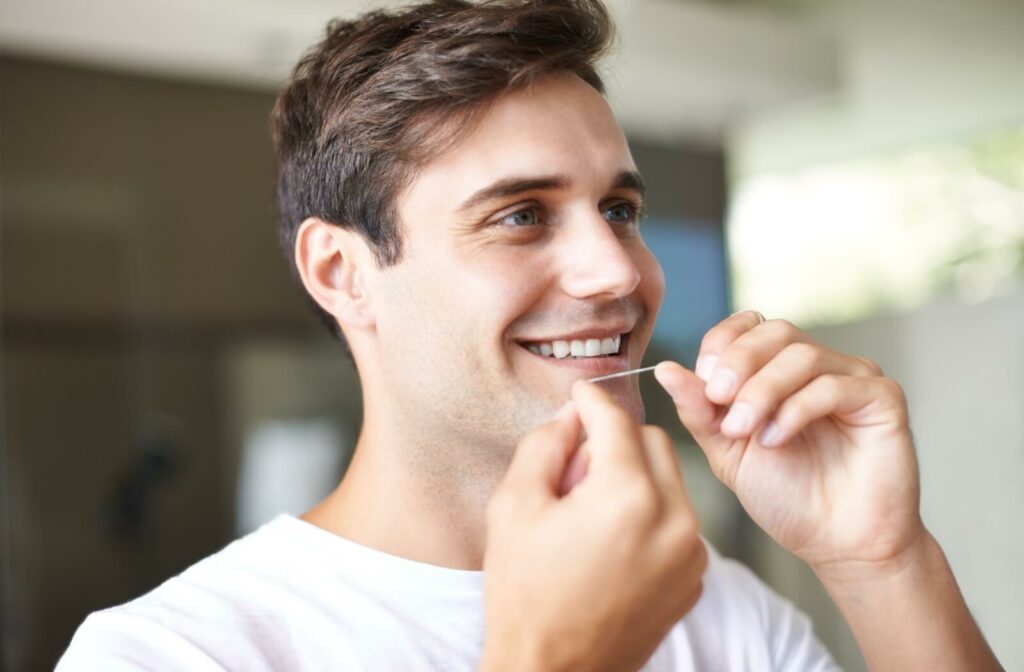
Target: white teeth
<point>591,347</point>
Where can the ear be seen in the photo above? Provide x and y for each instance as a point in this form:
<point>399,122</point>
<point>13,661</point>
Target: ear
<point>333,263</point>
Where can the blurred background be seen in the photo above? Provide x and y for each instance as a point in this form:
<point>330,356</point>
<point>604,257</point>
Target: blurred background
<point>854,166</point>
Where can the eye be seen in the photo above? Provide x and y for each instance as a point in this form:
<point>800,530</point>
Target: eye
<point>623,212</point>
<point>520,219</point>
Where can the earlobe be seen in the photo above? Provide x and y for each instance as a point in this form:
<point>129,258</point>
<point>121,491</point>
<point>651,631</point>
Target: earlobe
<point>330,261</point>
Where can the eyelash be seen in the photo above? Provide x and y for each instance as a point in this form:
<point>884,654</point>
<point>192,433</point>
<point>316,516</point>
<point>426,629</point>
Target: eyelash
<point>632,206</point>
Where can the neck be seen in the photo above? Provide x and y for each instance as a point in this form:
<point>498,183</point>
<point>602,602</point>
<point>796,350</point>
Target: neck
<point>412,497</point>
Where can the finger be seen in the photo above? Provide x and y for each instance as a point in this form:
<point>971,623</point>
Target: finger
<point>796,365</point>
<point>576,471</point>
<point>718,338</point>
<point>700,417</point>
<point>661,457</point>
<point>743,357</point>
<point>854,400</point>
<point>540,457</point>
<point>613,435</point>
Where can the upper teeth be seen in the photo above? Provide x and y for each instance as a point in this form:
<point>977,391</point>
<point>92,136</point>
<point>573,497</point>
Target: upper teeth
<point>592,347</point>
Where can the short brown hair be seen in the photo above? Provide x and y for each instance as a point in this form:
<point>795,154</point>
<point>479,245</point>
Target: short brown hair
<point>386,92</point>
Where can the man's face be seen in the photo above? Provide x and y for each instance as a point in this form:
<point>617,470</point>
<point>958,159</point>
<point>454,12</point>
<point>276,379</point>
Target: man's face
<point>518,242</point>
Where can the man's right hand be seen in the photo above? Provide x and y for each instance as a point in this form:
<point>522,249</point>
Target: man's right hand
<point>595,579</point>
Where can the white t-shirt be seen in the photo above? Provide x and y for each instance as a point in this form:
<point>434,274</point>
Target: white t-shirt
<point>292,596</point>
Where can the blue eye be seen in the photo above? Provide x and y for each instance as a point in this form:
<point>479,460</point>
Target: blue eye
<point>621,213</point>
<point>520,219</point>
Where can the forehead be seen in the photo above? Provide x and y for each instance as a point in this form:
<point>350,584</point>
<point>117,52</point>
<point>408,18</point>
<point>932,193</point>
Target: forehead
<point>560,125</point>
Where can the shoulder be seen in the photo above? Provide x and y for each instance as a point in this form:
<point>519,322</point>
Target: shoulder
<point>743,613</point>
<point>196,620</point>
<point>119,640</point>
<point>733,589</point>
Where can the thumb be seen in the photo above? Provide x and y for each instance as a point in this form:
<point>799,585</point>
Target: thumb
<point>700,417</point>
<point>540,458</point>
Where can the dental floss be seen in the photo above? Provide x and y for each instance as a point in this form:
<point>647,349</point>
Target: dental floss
<point>620,374</point>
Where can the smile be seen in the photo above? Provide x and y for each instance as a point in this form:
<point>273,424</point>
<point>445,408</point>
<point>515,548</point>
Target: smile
<point>582,348</point>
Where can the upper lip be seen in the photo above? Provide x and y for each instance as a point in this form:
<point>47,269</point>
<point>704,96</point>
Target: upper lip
<point>586,333</point>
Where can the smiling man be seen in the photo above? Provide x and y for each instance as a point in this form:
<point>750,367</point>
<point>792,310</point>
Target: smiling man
<point>461,205</point>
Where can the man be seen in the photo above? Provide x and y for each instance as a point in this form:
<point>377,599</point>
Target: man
<point>461,205</point>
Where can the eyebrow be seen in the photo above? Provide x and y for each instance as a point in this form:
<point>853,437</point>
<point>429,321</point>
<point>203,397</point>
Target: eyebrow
<point>630,179</point>
<point>510,186</point>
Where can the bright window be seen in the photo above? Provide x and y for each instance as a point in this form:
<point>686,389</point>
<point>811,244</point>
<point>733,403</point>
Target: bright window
<point>839,242</point>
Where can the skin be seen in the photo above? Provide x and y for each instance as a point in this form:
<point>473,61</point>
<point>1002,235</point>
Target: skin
<point>452,409</point>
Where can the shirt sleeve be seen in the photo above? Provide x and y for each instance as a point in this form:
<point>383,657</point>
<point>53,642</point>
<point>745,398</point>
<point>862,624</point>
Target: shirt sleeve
<point>118,641</point>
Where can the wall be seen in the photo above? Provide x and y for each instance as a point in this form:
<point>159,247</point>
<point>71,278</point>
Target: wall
<point>138,246</point>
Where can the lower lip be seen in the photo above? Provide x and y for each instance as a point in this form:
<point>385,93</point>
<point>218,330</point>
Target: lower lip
<point>589,366</point>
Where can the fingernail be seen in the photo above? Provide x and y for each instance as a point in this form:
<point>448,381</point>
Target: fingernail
<point>705,365</point>
<point>721,383</point>
<point>769,436</point>
<point>737,420</point>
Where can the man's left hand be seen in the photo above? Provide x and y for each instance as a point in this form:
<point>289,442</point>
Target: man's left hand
<point>815,444</point>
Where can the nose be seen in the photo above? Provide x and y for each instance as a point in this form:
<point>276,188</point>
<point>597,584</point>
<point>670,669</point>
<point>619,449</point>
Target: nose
<point>595,262</point>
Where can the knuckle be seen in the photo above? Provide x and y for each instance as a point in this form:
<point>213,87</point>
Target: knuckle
<point>760,392</point>
<point>890,386</point>
<point>895,390</point>
<point>871,367</point>
<point>783,328</point>
<point>793,411</point>
<point>718,339</point>
<point>829,384</point>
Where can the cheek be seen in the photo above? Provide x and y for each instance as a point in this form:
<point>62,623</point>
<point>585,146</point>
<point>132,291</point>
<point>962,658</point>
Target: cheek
<point>504,287</point>
<point>467,305</point>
